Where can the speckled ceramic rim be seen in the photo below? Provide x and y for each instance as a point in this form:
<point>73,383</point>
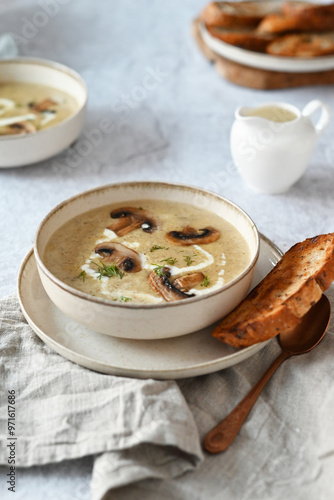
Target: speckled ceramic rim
<point>119,185</point>
<point>52,65</point>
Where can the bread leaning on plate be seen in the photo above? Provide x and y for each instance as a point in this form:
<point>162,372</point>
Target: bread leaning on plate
<point>284,296</point>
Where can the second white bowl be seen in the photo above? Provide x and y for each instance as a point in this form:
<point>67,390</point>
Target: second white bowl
<point>20,150</point>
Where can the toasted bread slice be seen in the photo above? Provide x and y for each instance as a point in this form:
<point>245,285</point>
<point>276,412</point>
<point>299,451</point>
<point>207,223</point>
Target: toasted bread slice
<point>298,18</point>
<point>284,296</point>
<point>302,45</point>
<point>307,8</point>
<point>236,14</point>
<point>279,23</point>
<point>245,38</point>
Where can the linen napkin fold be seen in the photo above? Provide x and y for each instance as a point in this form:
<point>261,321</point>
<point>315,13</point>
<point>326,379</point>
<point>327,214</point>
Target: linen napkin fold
<point>137,428</point>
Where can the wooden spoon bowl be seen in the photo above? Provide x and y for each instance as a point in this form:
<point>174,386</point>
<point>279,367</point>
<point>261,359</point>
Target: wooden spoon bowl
<point>300,340</point>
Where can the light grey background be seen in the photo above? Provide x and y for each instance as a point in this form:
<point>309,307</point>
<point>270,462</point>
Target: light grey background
<point>177,131</point>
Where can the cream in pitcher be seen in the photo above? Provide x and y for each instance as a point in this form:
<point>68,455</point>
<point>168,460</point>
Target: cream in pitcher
<point>273,144</point>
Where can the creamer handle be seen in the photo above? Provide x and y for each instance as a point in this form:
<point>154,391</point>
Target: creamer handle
<point>323,121</point>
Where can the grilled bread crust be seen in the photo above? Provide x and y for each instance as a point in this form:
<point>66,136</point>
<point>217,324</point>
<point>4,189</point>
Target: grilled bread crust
<point>236,14</point>
<point>307,8</point>
<point>302,45</point>
<point>297,17</point>
<point>284,296</point>
<point>248,39</point>
<point>264,26</point>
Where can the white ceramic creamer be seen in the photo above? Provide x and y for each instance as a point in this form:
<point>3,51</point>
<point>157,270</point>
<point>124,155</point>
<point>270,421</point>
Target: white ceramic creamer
<point>273,144</point>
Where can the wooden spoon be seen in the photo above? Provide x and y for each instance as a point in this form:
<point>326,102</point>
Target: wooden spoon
<point>302,339</point>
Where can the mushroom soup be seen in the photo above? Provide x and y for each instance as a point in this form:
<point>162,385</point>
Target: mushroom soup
<point>147,252</point>
<point>27,107</point>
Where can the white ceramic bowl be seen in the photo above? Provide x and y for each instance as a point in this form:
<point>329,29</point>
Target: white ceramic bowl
<point>16,151</point>
<point>146,321</point>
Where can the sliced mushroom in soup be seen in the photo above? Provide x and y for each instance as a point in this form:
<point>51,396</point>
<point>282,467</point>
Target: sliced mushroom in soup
<point>125,258</point>
<point>190,236</point>
<point>128,219</point>
<point>162,285</point>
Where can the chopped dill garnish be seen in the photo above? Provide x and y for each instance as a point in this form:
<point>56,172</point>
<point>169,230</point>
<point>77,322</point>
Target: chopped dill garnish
<point>125,299</point>
<point>169,260</point>
<point>158,247</point>
<point>108,271</point>
<point>159,270</point>
<point>83,275</point>
<point>206,281</point>
<point>188,260</point>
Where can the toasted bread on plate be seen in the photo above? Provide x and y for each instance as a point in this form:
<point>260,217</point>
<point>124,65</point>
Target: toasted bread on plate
<point>245,38</point>
<point>297,16</point>
<point>307,8</point>
<point>302,45</point>
<point>236,14</point>
<point>278,23</point>
<point>284,296</point>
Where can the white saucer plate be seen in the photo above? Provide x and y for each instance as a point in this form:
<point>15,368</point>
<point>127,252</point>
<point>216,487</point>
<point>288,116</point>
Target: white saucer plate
<point>266,61</point>
<point>190,355</point>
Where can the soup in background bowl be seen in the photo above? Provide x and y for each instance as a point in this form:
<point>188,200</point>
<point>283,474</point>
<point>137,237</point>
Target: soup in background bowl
<point>42,110</point>
<point>26,108</point>
<point>146,260</point>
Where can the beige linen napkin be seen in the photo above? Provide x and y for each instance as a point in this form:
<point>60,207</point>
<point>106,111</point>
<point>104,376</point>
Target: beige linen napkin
<point>142,433</point>
<point>137,428</point>
<point>285,449</point>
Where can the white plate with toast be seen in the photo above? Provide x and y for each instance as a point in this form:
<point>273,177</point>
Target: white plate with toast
<point>265,61</point>
<point>191,355</point>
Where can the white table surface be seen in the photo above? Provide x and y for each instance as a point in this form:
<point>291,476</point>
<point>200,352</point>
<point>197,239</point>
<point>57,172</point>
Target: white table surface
<point>177,131</point>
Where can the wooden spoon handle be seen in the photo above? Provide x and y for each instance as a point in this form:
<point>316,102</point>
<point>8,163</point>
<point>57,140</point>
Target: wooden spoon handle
<point>221,436</point>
